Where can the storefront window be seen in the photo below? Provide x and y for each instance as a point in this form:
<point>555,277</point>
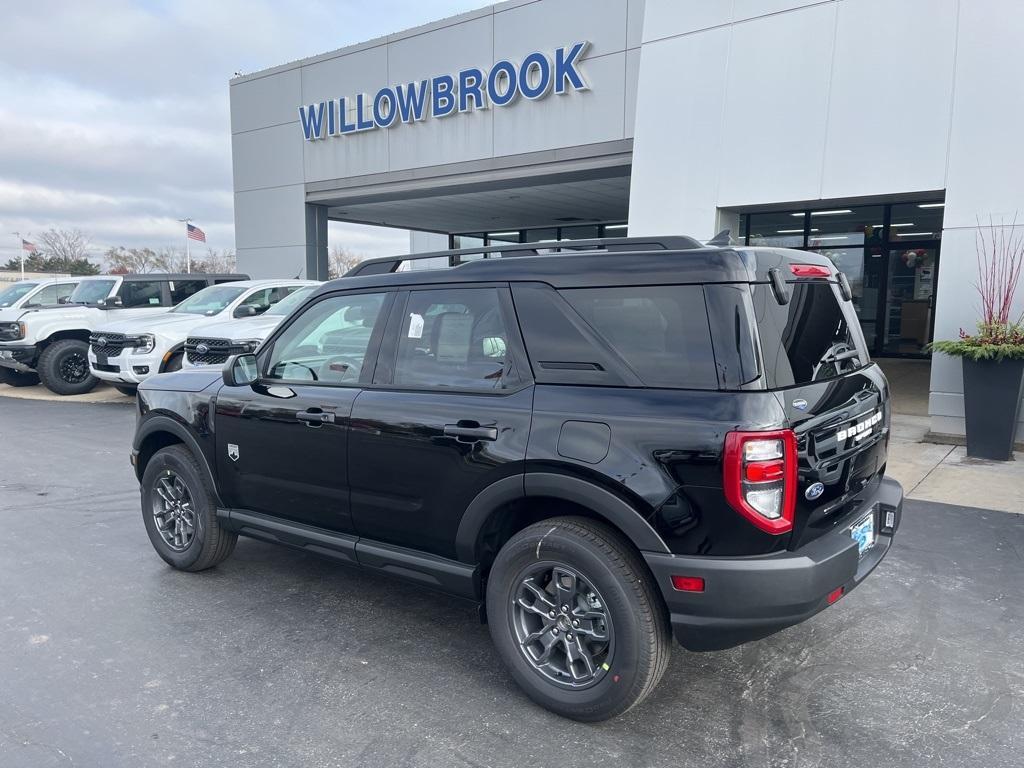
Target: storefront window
<point>916,221</point>
<point>783,230</point>
<point>889,253</point>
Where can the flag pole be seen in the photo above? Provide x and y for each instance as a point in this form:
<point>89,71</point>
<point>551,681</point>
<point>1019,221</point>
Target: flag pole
<point>188,249</point>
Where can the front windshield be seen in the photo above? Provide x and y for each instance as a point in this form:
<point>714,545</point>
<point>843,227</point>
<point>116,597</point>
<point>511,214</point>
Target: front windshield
<point>10,295</point>
<point>209,301</point>
<point>290,302</point>
<point>91,291</point>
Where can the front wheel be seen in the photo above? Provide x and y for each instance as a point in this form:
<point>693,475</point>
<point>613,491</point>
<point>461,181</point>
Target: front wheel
<point>574,615</point>
<point>14,378</point>
<point>180,512</point>
<point>64,368</point>
<point>128,390</point>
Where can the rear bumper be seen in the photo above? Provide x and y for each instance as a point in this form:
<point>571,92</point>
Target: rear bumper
<point>747,598</point>
<point>20,358</point>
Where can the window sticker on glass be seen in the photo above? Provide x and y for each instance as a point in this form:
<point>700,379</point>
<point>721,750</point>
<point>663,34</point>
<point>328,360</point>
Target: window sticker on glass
<point>453,338</point>
<point>415,326</point>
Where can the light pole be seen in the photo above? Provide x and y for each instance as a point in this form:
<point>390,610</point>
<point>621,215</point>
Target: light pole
<point>188,251</point>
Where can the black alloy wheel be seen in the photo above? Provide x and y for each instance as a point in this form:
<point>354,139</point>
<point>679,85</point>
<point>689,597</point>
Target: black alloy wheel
<point>562,626</point>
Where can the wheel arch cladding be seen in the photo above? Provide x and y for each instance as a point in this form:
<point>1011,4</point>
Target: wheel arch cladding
<point>161,431</point>
<point>604,505</point>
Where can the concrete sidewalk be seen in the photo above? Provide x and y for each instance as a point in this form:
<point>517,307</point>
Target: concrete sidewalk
<point>104,393</point>
<point>944,473</point>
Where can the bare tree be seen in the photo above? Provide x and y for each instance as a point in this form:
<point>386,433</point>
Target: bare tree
<point>340,260</point>
<point>140,260</point>
<point>170,260</point>
<point>219,261</point>
<point>67,245</point>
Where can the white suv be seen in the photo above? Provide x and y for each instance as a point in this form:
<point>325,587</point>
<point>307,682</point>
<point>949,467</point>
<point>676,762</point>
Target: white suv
<point>213,343</point>
<point>30,294</point>
<point>129,352</point>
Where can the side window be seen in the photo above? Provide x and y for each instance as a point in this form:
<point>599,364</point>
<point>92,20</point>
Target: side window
<point>64,290</point>
<point>46,296</point>
<point>262,300</point>
<point>141,293</point>
<point>661,331</point>
<point>327,343</point>
<point>182,289</point>
<point>453,338</point>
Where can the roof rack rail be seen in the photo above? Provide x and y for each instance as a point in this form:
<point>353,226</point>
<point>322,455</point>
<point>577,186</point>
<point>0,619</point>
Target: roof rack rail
<point>386,264</point>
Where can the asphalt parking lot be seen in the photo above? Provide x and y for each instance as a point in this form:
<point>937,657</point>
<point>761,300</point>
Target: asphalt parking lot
<point>110,658</point>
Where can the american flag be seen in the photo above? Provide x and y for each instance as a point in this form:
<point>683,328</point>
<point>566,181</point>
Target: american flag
<point>27,246</point>
<point>195,233</point>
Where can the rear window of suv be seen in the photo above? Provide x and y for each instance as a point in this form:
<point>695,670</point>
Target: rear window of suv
<point>660,331</point>
<point>812,338</point>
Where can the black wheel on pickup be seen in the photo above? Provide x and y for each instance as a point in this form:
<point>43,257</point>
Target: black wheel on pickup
<point>64,367</point>
<point>575,618</point>
<point>180,512</point>
<point>13,378</point>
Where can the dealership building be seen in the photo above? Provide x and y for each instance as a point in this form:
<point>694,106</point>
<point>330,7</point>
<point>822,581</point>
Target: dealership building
<point>877,132</point>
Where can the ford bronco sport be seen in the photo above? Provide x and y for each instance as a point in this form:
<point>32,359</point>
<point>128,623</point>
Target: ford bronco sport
<point>604,443</point>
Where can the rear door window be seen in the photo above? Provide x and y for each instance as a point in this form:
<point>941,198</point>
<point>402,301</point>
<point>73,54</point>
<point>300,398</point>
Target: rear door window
<point>812,338</point>
<point>142,293</point>
<point>453,339</point>
<point>660,331</point>
<point>182,289</point>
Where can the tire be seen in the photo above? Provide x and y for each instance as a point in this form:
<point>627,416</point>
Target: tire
<point>209,543</point>
<point>129,390</point>
<point>13,378</point>
<point>174,364</point>
<point>60,365</point>
<point>615,582</point>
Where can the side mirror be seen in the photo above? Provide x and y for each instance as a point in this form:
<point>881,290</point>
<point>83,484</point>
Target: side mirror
<point>240,371</point>
<point>113,301</point>
<point>245,310</point>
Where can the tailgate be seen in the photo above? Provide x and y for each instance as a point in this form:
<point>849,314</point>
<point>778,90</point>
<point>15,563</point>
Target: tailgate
<point>842,429</point>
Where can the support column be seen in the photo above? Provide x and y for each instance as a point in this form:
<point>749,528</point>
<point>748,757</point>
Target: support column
<point>316,242</point>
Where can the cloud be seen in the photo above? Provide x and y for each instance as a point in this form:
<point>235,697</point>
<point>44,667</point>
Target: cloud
<point>114,115</point>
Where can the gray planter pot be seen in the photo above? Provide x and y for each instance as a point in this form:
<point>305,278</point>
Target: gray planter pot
<point>992,392</point>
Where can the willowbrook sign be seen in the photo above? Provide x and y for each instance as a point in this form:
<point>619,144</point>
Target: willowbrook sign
<point>444,95</point>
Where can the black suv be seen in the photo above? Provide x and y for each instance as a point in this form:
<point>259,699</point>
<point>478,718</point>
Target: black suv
<point>603,443</point>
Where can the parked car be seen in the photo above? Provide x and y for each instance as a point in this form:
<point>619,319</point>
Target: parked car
<point>213,343</point>
<point>54,341</point>
<point>29,294</point>
<point>127,353</point>
<point>605,443</point>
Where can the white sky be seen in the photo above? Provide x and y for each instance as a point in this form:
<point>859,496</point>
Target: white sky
<point>114,115</point>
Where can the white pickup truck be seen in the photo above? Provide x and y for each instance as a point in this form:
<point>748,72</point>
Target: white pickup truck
<point>53,341</point>
<point>30,294</point>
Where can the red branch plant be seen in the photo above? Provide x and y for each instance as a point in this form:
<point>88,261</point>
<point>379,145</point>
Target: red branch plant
<point>1000,259</point>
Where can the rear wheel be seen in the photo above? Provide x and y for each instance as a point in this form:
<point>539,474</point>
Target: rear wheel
<point>180,512</point>
<point>574,616</point>
<point>64,368</point>
<point>13,378</point>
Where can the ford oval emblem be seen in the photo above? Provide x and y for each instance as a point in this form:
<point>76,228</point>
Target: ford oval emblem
<point>101,341</point>
<point>800,404</point>
<point>814,491</point>
<point>202,349</point>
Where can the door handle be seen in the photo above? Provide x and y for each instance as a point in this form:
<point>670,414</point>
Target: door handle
<point>470,431</point>
<point>315,418</point>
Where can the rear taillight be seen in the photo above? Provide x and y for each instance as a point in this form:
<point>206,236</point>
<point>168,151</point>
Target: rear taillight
<point>760,477</point>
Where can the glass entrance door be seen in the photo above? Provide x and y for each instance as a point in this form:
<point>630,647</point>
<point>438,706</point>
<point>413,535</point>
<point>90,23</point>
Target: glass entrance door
<point>910,299</point>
